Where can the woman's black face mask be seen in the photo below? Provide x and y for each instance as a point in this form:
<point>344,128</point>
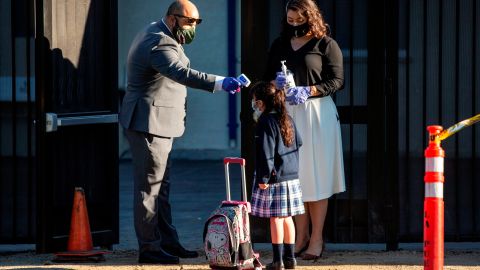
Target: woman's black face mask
<point>298,30</point>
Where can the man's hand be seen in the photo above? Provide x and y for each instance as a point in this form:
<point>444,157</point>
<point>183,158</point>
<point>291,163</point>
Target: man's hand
<point>298,95</point>
<point>263,186</point>
<point>280,81</point>
<point>231,85</point>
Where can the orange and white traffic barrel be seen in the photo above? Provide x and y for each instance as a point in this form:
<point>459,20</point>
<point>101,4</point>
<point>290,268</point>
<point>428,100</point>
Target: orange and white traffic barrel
<point>433,225</point>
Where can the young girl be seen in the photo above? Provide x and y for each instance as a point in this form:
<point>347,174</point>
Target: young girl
<point>276,190</point>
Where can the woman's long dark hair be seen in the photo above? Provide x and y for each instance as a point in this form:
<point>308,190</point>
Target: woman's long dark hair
<point>309,9</point>
<point>274,99</point>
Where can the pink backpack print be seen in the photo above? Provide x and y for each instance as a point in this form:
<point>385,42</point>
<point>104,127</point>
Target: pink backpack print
<point>226,235</point>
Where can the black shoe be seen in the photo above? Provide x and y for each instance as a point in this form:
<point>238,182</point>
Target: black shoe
<point>157,257</point>
<point>180,251</point>
<point>289,263</point>
<point>308,256</point>
<point>299,253</point>
<point>275,266</point>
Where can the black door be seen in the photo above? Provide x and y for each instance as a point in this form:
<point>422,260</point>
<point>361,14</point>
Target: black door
<point>76,127</point>
<point>17,112</point>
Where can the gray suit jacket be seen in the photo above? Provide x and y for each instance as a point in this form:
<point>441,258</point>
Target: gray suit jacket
<point>158,72</point>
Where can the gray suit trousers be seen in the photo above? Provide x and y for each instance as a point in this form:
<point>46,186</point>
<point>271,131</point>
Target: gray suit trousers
<point>152,211</point>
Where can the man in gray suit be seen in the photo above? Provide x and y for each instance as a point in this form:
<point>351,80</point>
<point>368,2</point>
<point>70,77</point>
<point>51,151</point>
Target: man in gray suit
<point>153,113</point>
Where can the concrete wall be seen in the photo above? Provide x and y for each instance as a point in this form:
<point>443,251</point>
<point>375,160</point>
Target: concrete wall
<point>206,134</point>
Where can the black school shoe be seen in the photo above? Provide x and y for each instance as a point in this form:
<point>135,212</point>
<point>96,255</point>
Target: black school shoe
<point>157,257</point>
<point>180,251</point>
<point>289,263</point>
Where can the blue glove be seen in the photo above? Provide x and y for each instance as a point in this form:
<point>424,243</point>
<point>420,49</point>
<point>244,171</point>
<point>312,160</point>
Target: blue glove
<point>280,81</point>
<point>297,95</point>
<point>231,85</point>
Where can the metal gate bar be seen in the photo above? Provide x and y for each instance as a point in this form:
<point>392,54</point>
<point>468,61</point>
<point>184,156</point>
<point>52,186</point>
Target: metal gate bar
<point>349,185</point>
<point>475,174</point>
<point>14,117</point>
<point>30,117</point>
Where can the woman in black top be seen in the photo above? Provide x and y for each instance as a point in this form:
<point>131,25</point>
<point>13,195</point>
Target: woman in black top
<point>316,62</point>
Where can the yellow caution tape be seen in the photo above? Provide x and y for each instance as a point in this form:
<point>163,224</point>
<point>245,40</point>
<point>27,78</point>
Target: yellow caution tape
<point>458,126</point>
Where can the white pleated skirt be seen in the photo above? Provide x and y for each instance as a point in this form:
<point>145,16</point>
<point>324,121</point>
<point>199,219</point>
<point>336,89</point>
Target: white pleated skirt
<point>321,170</point>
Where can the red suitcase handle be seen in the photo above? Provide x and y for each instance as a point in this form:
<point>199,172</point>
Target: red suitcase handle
<point>240,161</point>
<point>236,160</point>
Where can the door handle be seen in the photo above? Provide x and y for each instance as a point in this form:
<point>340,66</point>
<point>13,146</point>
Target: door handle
<point>53,121</point>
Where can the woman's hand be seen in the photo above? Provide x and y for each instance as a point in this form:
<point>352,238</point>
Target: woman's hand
<point>263,186</point>
<point>280,81</point>
<point>298,95</point>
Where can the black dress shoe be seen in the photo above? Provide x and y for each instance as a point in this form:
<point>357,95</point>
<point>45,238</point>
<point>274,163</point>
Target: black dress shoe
<point>299,253</point>
<point>275,266</point>
<point>157,257</point>
<point>289,263</point>
<point>309,257</point>
<point>180,251</point>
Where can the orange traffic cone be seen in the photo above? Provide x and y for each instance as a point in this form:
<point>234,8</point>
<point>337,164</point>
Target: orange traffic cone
<point>80,247</point>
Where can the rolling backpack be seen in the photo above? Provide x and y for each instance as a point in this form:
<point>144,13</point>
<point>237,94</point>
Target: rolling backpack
<point>227,231</point>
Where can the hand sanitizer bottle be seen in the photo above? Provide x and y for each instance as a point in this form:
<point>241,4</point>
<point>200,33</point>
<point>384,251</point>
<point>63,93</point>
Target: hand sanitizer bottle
<point>288,74</point>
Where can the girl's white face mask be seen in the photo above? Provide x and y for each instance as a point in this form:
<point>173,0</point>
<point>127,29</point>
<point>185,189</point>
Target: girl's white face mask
<point>256,111</point>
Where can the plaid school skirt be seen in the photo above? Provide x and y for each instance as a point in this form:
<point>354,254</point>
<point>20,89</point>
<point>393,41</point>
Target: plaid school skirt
<point>282,199</point>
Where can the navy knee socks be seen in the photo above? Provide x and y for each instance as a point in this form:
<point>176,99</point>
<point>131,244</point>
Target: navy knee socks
<point>277,252</point>
<point>288,251</point>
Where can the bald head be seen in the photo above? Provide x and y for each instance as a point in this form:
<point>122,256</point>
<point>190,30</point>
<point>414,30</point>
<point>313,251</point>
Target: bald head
<point>183,7</point>
<point>182,13</point>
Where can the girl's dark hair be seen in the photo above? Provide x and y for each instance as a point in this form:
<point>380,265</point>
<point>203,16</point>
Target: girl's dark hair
<point>310,10</point>
<point>274,99</point>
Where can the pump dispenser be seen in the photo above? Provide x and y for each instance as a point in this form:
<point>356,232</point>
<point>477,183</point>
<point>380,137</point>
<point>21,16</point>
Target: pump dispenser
<point>284,67</point>
<point>288,74</point>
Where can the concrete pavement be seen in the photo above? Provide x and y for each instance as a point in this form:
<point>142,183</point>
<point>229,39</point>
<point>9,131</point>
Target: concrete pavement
<point>197,188</point>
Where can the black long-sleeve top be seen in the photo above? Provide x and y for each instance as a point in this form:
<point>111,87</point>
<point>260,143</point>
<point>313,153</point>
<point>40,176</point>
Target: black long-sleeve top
<point>318,63</point>
<point>274,161</point>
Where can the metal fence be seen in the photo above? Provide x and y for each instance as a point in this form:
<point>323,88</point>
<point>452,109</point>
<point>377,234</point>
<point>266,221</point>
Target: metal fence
<point>429,52</point>
<point>408,64</point>
<point>439,85</point>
